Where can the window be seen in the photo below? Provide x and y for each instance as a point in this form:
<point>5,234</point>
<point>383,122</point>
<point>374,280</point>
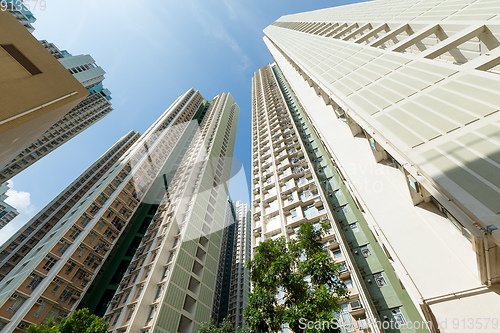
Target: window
<point>138,292</point>
<point>40,309</point>
<point>130,314</point>
<point>16,305</point>
<point>65,295</point>
<point>74,233</point>
<point>116,318</point>
<point>348,283</point>
<point>398,316</point>
<point>345,319</point>
<point>310,211</point>
<point>92,238</point>
<point>50,263</point>
<point>85,221</point>
<point>57,285</point>
<point>158,292</point>
<point>82,252</point>
<point>34,282</point>
<point>337,254</point>
<point>64,246</point>
<point>151,314</point>
<point>70,268</point>
<point>53,313</point>
<point>89,260</point>
<point>354,227</point>
<point>379,278</point>
<point>294,213</point>
<point>365,251</point>
<point>305,195</point>
<point>165,272</point>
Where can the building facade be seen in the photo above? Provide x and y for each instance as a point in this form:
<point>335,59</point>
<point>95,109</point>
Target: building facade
<point>223,282</point>
<point>240,277</point>
<point>170,283</point>
<point>400,95</point>
<point>51,278</point>
<point>29,235</point>
<point>7,212</point>
<point>36,91</point>
<point>294,182</point>
<point>89,111</point>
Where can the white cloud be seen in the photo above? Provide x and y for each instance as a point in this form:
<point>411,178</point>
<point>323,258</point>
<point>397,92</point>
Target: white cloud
<point>20,200</point>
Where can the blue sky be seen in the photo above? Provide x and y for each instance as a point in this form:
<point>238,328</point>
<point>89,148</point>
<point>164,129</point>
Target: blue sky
<point>152,52</point>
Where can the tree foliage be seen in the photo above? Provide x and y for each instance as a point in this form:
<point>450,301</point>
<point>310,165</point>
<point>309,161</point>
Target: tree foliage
<point>81,321</point>
<point>224,327</point>
<point>306,277</point>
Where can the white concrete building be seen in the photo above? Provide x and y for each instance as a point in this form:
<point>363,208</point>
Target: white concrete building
<point>404,96</point>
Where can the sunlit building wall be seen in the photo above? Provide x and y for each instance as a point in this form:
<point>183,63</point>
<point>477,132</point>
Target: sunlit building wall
<point>403,96</point>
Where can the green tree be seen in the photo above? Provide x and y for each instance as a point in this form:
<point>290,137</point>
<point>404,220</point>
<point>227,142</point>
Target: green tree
<point>224,327</point>
<point>294,282</point>
<point>81,321</point>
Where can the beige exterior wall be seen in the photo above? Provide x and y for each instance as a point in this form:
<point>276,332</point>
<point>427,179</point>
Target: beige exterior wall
<point>30,103</point>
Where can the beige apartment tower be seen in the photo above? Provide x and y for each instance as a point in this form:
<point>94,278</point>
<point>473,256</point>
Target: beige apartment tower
<point>404,97</point>
<point>28,236</point>
<point>36,90</point>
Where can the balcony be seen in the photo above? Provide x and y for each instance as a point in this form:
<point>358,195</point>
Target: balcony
<point>318,203</point>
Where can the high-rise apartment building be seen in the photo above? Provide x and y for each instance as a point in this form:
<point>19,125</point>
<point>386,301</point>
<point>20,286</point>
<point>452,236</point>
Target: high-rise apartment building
<point>36,91</point>
<point>169,285</point>
<point>89,111</point>
<point>240,277</point>
<point>233,279</point>
<point>7,212</point>
<point>294,182</point>
<point>178,243</point>
<point>19,10</point>
<point>28,236</point>
<point>223,281</point>
<point>402,96</point>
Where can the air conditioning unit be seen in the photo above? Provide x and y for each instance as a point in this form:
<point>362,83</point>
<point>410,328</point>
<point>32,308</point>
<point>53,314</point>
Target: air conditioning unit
<point>39,301</point>
<point>14,296</point>
<point>355,305</point>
